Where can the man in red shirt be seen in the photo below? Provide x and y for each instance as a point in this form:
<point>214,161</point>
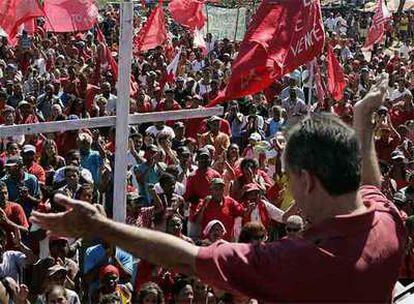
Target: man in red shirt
<point>28,155</point>
<point>12,216</point>
<point>350,252</point>
<point>198,183</point>
<point>168,104</point>
<point>219,207</point>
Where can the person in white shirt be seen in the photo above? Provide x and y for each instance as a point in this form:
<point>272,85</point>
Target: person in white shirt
<point>112,99</point>
<point>401,93</point>
<point>330,23</point>
<point>159,127</point>
<point>405,49</point>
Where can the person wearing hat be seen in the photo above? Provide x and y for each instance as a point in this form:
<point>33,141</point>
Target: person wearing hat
<point>23,187</point>
<point>257,208</point>
<point>54,275</point>
<point>214,231</point>
<point>214,136</point>
<point>109,284</point>
<point>27,114</point>
<point>29,161</point>
<point>198,182</point>
<point>179,139</point>
<point>216,206</point>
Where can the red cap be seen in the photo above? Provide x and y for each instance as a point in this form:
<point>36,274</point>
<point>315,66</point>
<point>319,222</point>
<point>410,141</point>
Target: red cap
<point>250,187</point>
<point>107,270</point>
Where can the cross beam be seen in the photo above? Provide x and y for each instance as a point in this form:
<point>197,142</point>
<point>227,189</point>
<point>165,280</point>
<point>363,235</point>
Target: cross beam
<point>107,121</point>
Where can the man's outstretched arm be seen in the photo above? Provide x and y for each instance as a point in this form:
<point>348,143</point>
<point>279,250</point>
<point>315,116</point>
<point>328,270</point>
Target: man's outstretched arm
<point>370,171</point>
<point>84,220</point>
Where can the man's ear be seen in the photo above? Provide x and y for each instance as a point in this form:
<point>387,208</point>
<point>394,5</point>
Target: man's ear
<point>308,181</point>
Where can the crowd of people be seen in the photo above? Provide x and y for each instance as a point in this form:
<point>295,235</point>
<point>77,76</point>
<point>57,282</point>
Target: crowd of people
<point>202,180</point>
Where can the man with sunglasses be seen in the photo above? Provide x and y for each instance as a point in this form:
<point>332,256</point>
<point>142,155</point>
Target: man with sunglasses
<point>350,252</point>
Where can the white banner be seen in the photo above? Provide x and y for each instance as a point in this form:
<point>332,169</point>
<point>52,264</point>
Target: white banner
<point>226,22</point>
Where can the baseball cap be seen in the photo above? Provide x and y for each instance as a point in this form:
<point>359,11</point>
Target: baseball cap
<point>217,181</point>
<point>108,270</point>
<point>23,103</point>
<point>56,269</point>
<point>213,118</point>
<point>399,198</point>
<point>397,155</point>
<point>203,151</point>
<point>14,160</point>
<point>153,148</point>
<point>29,148</point>
<point>255,136</point>
<point>250,188</point>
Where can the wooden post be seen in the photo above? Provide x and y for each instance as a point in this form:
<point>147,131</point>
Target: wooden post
<point>122,111</point>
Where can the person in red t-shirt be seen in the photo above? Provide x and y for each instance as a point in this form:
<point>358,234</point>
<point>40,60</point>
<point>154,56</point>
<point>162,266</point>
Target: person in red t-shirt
<point>354,240</point>
<point>219,207</point>
<point>28,155</point>
<point>12,216</point>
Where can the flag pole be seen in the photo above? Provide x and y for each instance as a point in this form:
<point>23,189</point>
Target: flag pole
<point>122,111</point>
<point>237,24</point>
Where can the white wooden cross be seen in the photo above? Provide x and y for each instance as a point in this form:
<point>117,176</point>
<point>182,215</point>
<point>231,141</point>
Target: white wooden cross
<point>121,121</point>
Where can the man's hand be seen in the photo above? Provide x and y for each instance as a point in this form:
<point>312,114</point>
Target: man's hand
<point>364,109</point>
<point>78,221</point>
<point>3,217</point>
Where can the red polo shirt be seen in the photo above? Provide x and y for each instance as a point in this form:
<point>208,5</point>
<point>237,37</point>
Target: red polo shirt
<point>14,213</point>
<point>225,213</point>
<point>352,258</point>
<point>38,171</point>
<point>198,184</point>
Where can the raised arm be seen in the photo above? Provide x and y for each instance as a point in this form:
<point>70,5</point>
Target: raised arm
<point>364,126</point>
<point>84,220</point>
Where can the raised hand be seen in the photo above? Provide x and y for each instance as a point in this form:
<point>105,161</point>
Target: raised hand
<point>78,221</point>
<point>364,109</point>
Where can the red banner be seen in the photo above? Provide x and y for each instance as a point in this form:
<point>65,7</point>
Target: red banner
<point>377,29</point>
<point>283,35</point>
<point>70,15</point>
<point>14,13</point>
<point>153,33</point>
<point>189,13</point>
<point>336,76</point>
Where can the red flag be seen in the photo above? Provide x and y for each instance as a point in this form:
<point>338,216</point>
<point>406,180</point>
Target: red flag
<point>377,29</point>
<point>282,36</point>
<point>320,91</point>
<point>14,13</point>
<point>70,15</point>
<point>113,65</point>
<point>172,67</point>
<point>336,77</point>
<point>189,13</point>
<point>153,33</point>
